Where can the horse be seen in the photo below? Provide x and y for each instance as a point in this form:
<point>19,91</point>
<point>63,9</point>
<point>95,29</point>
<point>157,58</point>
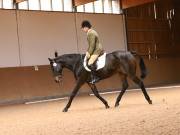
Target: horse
<point>119,62</point>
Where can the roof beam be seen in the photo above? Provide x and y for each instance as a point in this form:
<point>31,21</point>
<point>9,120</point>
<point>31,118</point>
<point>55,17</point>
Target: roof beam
<point>132,3</point>
<point>18,1</point>
<point>82,2</point>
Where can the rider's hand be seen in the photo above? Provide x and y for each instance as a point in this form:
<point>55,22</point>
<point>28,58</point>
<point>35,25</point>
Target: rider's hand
<point>87,55</point>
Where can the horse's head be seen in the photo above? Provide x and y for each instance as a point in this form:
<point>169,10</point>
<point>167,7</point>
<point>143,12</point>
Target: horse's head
<point>64,61</point>
<point>56,67</point>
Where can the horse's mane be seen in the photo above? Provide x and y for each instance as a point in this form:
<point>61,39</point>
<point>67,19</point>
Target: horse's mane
<point>72,55</point>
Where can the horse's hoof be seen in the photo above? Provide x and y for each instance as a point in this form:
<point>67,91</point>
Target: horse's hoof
<point>116,105</point>
<point>65,110</point>
<point>150,102</point>
<point>107,106</point>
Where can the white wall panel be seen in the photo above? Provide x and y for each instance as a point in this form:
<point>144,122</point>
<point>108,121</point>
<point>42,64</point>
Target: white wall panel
<point>41,33</point>
<point>9,51</point>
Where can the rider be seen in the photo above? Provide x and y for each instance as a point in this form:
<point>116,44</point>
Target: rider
<point>94,50</point>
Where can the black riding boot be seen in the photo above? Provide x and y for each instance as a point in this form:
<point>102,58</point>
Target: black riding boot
<point>94,78</point>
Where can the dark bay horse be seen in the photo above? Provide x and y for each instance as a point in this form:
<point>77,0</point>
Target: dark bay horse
<point>121,62</point>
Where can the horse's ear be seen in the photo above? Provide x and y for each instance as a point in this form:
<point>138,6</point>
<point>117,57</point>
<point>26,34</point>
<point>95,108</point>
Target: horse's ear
<point>50,59</point>
<point>56,54</point>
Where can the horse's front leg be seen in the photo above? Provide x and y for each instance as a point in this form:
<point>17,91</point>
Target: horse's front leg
<point>73,94</point>
<point>96,93</point>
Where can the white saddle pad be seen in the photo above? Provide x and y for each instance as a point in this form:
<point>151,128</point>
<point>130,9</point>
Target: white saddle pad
<point>101,61</point>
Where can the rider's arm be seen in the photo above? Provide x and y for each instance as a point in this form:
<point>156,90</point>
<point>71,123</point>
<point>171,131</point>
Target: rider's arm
<point>92,43</point>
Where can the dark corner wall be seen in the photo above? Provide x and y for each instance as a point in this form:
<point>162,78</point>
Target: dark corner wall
<point>153,31</point>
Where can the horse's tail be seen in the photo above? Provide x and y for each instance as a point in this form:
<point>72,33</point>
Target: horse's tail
<point>141,65</point>
<point>56,54</point>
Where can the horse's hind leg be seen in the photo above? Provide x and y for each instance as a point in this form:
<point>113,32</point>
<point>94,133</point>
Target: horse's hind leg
<point>124,87</point>
<point>141,85</point>
<point>96,93</point>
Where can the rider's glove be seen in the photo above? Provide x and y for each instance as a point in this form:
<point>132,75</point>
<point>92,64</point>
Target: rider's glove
<point>87,55</point>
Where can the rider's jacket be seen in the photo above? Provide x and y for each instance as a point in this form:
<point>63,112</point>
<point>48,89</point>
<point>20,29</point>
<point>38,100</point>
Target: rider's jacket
<point>95,46</point>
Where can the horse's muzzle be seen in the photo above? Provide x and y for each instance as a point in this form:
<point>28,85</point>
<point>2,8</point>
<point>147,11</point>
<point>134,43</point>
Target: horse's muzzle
<point>58,79</point>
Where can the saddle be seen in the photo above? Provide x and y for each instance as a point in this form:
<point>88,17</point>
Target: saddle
<point>100,62</point>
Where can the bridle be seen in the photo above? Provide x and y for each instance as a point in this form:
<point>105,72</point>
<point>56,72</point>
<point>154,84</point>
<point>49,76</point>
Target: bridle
<point>59,77</point>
